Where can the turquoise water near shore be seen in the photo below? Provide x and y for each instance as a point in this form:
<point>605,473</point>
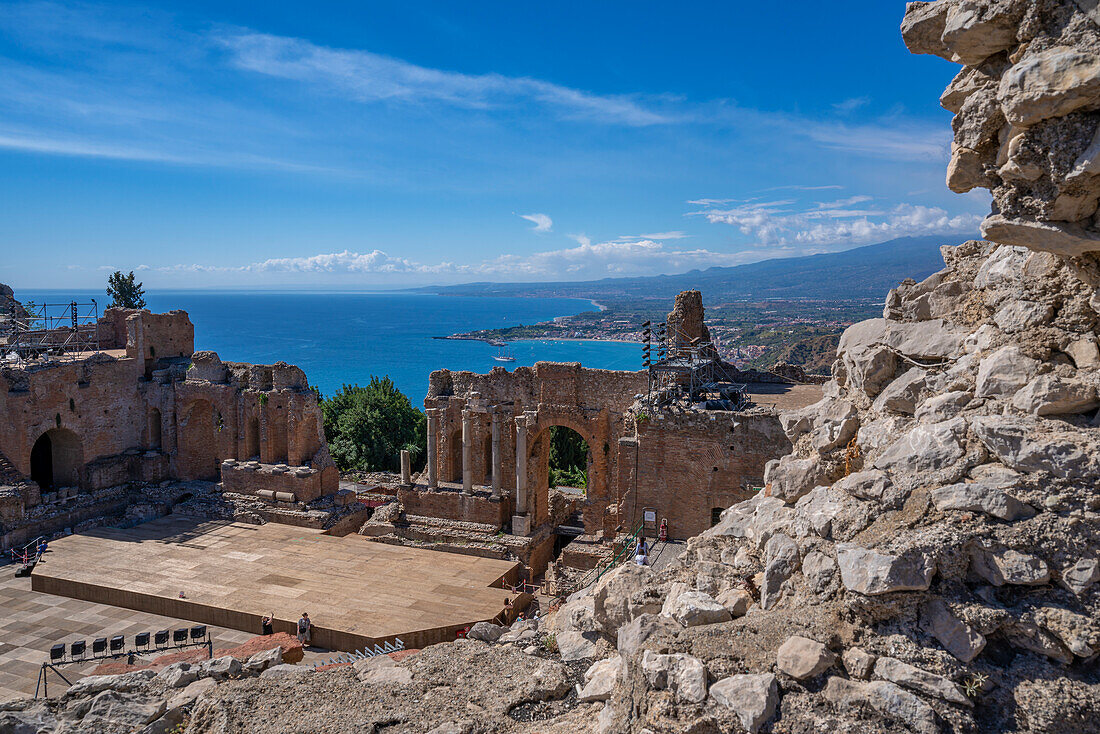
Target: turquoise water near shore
<point>340,338</point>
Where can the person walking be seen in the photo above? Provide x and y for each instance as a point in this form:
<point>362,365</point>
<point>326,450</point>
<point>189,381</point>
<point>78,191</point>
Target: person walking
<point>641,553</point>
<point>305,629</point>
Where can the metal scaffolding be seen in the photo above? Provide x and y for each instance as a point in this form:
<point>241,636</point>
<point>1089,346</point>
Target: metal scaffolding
<point>55,329</point>
<point>688,374</point>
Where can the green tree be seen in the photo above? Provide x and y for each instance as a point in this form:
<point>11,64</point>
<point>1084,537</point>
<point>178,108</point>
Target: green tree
<point>367,427</point>
<point>568,458</point>
<point>125,291</point>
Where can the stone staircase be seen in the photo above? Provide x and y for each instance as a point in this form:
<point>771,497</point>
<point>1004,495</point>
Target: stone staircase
<point>9,475</point>
<point>469,538</point>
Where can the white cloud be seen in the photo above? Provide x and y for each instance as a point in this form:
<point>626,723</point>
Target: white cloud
<point>787,222</point>
<point>371,77</point>
<point>851,104</point>
<point>542,222</point>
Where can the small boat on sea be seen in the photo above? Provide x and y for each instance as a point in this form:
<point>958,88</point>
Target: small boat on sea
<point>502,355</point>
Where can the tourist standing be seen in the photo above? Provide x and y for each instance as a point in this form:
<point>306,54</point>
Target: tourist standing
<point>305,629</point>
<point>266,625</point>
<point>641,553</point>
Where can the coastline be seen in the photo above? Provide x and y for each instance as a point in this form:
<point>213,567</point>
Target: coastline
<point>465,337</point>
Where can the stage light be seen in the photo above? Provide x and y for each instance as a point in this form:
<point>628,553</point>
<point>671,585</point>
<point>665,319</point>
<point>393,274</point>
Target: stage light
<point>117,643</point>
<point>57,652</point>
<point>161,638</point>
<point>141,639</point>
<point>179,636</point>
<point>99,646</point>
<point>78,649</point>
<point>198,632</point>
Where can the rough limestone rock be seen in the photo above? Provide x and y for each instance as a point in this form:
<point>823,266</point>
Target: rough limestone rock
<point>693,608</point>
<point>115,711</point>
<point>738,601</point>
<point>634,635</point>
<point>981,496</point>
<point>381,670</point>
<point>790,478</point>
<point>576,645</point>
<point>486,631</point>
<point>859,663</point>
<point>178,675</point>
<point>887,698</point>
<point>221,668</point>
<point>1006,566</point>
<point>622,595</point>
<point>752,698</point>
<point>1030,445</point>
<point>902,395</point>
<point>1081,575</point>
<point>872,573</point>
<point>263,660</point>
<point>600,680</point>
<point>802,658</point>
<point>914,678</point>
<point>781,560</point>
<point>926,448</point>
<point>1050,83</point>
<point>1004,372</point>
<point>1054,395</point>
<point>683,675</point>
<point>284,670</point>
<point>94,684</point>
<point>957,637</point>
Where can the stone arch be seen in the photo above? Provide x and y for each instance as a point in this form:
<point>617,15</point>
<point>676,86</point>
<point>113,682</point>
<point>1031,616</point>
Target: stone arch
<point>198,442</point>
<point>538,459</point>
<point>57,459</point>
<point>154,429</point>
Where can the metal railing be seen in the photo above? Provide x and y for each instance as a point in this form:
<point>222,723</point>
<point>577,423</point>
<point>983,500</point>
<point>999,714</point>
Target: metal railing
<point>595,574</point>
<point>366,652</point>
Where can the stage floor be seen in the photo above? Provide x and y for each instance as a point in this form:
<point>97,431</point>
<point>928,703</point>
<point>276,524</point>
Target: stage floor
<point>357,592</point>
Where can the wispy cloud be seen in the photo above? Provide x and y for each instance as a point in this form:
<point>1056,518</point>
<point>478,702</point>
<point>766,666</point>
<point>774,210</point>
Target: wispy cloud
<point>542,222</point>
<point>372,77</point>
<point>851,104</point>
<point>843,221</point>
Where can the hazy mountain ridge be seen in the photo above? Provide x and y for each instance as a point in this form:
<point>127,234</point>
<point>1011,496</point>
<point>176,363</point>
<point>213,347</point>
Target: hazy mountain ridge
<point>862,272</point>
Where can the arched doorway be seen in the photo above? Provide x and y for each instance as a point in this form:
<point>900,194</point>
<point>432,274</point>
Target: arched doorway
<point>56,459</point>
<point>568,462</point>
<point>197,442</point>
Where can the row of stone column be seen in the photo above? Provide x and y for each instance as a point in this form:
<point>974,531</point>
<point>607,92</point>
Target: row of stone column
<point>434,417</point>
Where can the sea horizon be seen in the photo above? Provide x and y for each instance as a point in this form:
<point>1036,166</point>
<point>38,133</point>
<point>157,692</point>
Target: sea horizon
<point>344,337</point>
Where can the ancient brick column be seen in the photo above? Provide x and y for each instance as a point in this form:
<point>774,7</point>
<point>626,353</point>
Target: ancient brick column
<point>467,445</point>
<point>495,417</point>
<point>433,447</point>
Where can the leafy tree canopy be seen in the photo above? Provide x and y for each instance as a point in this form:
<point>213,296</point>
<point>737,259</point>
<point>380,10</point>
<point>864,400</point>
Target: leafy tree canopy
<point>568,458</point>
<point>126,292</point>
<point>367,427</point>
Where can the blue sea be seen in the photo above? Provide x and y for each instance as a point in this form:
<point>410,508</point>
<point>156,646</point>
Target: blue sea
<point>344,338</point>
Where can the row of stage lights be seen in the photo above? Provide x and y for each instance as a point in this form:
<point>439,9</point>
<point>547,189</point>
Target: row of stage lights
<point>103,647</point>
<point>647,342</point>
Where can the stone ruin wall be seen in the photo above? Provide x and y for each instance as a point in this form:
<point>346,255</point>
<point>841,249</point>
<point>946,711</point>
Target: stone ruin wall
<point>591,402</point>
<point>689,467</point>
<point>159,413</point>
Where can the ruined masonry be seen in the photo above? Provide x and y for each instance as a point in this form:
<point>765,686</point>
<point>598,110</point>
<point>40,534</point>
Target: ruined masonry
<point>80,432</point>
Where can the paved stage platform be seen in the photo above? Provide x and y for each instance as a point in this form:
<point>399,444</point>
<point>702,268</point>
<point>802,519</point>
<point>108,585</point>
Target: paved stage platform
<point>357,592</point>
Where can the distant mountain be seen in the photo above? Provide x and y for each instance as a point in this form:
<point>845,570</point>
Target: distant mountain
<point>862,272</point>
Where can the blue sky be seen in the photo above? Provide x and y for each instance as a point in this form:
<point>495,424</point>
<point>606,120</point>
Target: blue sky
<point>368,145</point>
